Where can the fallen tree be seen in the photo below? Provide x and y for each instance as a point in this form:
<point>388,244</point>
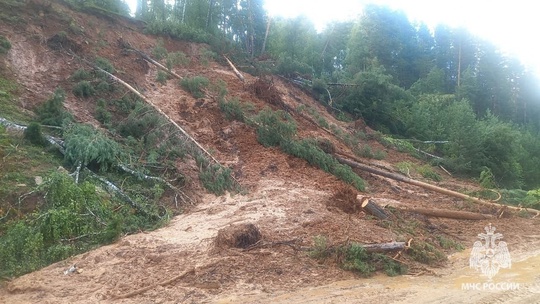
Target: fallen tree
<point>128,46</point>
<point>445,213</point>
<point>59,144</point>
<point>385,247</point>
<point>424,185</point>
<point>235,70</point>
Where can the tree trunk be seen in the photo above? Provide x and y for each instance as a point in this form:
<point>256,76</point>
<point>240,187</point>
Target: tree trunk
<point>385,247</point>
<point>404,179</point>
<point>263,49</point>
<point>452,214</point>
<point>238,74</point>
<point>370,207</point>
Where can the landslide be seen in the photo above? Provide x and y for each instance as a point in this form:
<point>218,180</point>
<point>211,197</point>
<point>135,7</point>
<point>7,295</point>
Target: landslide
<point>283,196</point>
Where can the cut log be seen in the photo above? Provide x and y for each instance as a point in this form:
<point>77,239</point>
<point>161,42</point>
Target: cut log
<point>370,207</point>
<point>452,214</point>
<point>411,181</point>
<point>238,74</point>
<point>385,247</point>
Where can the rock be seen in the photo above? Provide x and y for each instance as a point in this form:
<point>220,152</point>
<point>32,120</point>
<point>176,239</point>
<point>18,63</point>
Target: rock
<point>38,180</point>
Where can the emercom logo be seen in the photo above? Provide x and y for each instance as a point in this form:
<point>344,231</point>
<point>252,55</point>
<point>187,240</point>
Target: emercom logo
<point>490,255</point>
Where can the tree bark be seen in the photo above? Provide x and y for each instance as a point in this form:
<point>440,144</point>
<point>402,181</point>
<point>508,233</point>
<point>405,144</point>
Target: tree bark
<point>404,179</point>
<point>238,74</point>
<point>370,207</point>
<point>452,214</point>
<point>385,247</point>
<point>263,49</point>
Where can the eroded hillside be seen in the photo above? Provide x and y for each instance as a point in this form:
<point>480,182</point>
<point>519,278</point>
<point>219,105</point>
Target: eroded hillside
<point>292,203</point>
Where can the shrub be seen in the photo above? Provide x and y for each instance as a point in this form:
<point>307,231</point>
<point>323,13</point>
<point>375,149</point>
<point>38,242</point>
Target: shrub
<point>88,146</point>
<point>83,89</point>
<point>217,179</point>
<point>234,109</point>
<point>195,85</point>
<point>104,86</point>
<point>81,74</point>
<point>34,134</point>
<point>426,253</point>
<point>309,151</point>
<point>102,114</point>
<point>162,77</point>
<point>21,249</point>
<point>52,111</point>
<point>177,58</point>
<point>5,45</point>
<point>428,172</point>
<point>320,248</point>
<point>105,64</point>
<point>159,51</point>
<point>137,125</point>
<point>274,127</point>
<point>356,259</point>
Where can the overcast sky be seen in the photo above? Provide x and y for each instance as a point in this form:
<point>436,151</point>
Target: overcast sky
<point>511,25</point>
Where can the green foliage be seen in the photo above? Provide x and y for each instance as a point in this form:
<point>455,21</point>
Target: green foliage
<point>447,243</point>
<point>52,111</point>
<point>81,74</point>
<point>89,146</point>
<point>426,253</point>
<point>177,59</point>
<point>320,248</point>
<point>274,127</point>
<point>428,172</point>
<point>277,128</point>
<point>139,125</point>
<point>374,98</point>
<point>5,45</point>
<point>195,85</point>
<point>104,87</point>
<point>289,67</point>
<point>220,88</point>
<point>217,179</point>
<point>487,179</point>
<point>309,151</point>
<point>234,109</point>
<point>34,134</point>
<point>178,31</point>
<point>105,65</point>
<point>398,144</point>
<point>207,55</point>
<point>159,51</point>
<point>319,87</point>
<point>162,77</point>
<point>73,219</point>
<point>102,114</point>
<point>84,88</point>
<point>356,258</point>
<point>21,250</point>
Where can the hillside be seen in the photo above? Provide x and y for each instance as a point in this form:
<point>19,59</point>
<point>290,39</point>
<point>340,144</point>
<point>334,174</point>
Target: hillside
<point>293,204</point>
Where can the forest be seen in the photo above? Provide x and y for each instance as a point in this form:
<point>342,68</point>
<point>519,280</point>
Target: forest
<point>448,92</point>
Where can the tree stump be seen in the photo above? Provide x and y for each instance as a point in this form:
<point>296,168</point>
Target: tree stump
<point>370,207</point>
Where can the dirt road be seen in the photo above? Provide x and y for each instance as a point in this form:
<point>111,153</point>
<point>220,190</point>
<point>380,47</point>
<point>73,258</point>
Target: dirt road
<point>458,284</point>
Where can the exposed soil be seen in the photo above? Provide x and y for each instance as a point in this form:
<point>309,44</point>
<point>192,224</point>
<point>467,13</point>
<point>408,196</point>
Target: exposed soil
<point>287,200</point>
